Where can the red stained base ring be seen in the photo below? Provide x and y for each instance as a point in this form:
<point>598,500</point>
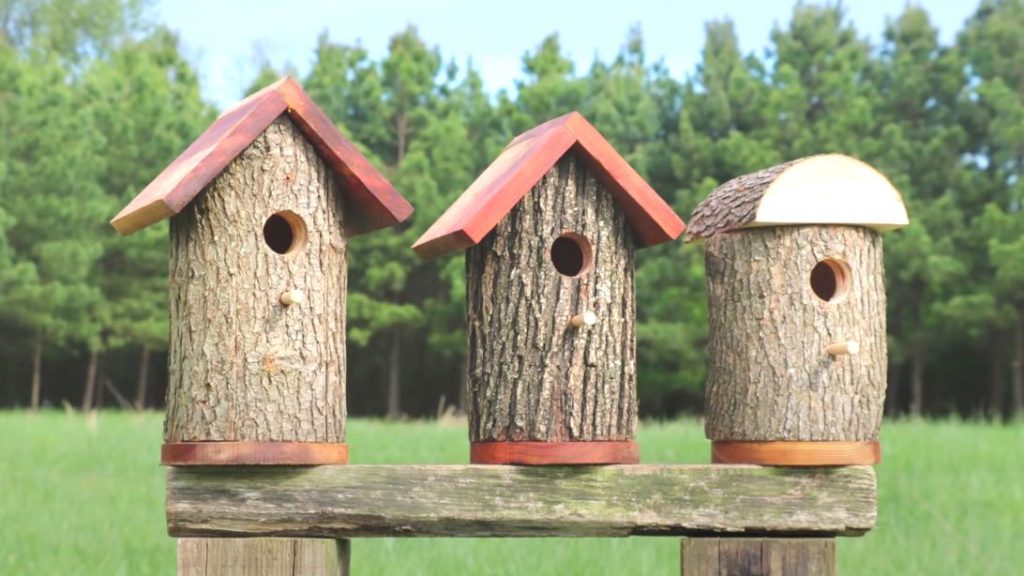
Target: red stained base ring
<point>554,453</point>
<point>252,454</point>
<point>796,453</point>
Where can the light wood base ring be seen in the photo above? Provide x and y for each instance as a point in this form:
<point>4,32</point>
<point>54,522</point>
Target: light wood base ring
<point>252,453</point>
<point>780,453</point>
<point>554,453</point>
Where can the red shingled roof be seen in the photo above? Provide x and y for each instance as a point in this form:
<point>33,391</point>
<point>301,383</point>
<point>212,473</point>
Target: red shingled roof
<point>373,203</point>
<point>523,163</point>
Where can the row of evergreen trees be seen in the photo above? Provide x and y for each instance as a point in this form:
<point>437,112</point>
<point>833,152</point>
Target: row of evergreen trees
<point>95,100</point>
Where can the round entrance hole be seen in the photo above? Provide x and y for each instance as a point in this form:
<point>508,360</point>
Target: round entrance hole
<point>571,254</point>
<point>284,232</point>
<point>831,279</point>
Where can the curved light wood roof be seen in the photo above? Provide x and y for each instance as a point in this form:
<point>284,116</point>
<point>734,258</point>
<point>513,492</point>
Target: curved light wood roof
<point>825,189</point>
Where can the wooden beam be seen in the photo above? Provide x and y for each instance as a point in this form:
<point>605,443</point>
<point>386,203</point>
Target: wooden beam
<point>761,556</point>
<point>473,501</point>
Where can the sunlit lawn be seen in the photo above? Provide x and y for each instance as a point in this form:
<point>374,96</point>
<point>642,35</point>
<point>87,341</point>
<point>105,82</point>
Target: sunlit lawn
<point>85,496</point>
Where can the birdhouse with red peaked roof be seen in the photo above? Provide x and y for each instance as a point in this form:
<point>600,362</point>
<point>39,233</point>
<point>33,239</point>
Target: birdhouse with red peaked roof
<point>550,230</point>
<point>796,311</point>
<point>261,209</point>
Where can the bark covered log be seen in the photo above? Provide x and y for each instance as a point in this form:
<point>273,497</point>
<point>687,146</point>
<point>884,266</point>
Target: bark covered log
<point>770,376</point>
<point>242,365</point>
<point>532,376</point>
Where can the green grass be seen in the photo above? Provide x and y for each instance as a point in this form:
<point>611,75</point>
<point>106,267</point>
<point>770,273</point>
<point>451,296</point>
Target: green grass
<point>85,496</point>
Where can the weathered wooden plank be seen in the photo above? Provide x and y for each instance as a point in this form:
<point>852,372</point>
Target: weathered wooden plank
<point>278,556</point>
<point>758,556</point>
<point>468,500</point>
<point>699,556</point>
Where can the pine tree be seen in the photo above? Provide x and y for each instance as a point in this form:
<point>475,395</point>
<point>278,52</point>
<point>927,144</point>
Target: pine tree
<point>145,100</point>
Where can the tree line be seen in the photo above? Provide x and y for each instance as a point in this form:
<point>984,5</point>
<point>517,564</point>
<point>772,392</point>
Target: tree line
<point>96,98</point>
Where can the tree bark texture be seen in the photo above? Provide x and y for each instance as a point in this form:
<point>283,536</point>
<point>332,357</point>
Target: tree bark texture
<point>90,381</point>
<point>37,370</point>
<point>532,376</point>
<point>770,376</point>
<point>143,381</point>
<point>1017,382</point>
<point>244,367</point>
<point>916,382</point>
<point>394,375</point>
<point>995,375</point>
<point>892,390</point>
<point>100,382</point>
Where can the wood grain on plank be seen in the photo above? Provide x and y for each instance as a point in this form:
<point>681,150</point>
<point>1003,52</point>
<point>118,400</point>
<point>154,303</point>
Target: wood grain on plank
<point>475,501</point>
<point>714,556</point>
<point>262,556</point>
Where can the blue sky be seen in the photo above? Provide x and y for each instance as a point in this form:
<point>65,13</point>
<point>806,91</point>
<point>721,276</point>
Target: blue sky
<point>227,39</point>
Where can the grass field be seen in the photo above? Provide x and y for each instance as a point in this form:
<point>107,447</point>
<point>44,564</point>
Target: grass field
<point>85,496</point>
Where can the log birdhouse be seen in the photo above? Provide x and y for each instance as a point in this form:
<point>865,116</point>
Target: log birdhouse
<point>550,230</point>
<point>797,339</point>
<point>261,209</point>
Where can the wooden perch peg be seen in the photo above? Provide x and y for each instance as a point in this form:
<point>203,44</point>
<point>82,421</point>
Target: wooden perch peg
<point>839,348</point>
<point>585,319</point>
<point>292,297</point>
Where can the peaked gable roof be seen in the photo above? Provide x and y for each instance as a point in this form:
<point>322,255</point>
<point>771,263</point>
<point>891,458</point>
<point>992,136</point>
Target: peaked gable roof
<point>373,203</point>
<point>523,163</point>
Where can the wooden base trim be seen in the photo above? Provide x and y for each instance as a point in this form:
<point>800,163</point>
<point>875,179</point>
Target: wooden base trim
<point>781,453</point>
<point>554,453</point>
<point>252,453</point>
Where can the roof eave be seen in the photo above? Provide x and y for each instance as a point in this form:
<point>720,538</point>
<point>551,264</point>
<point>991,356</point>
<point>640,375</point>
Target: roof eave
<point>464,224</point>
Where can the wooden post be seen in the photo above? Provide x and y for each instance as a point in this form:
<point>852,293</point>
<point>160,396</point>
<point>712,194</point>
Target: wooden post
<point>241,556</point>
<point>758,557</point>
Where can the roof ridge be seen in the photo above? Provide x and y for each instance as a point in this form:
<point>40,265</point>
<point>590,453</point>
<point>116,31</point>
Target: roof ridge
<point>374,201</point>
<point>523,163</point>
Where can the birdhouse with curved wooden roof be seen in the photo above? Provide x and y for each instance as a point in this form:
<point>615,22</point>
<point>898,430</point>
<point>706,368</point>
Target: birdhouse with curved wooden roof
<point>261,209</point>
<point>796,309</point>
<point>550,230</point>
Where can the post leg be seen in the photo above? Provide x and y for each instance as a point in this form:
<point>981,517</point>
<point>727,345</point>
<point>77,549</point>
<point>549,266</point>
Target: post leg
<point>262,557</point>
<point>758,557</point>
